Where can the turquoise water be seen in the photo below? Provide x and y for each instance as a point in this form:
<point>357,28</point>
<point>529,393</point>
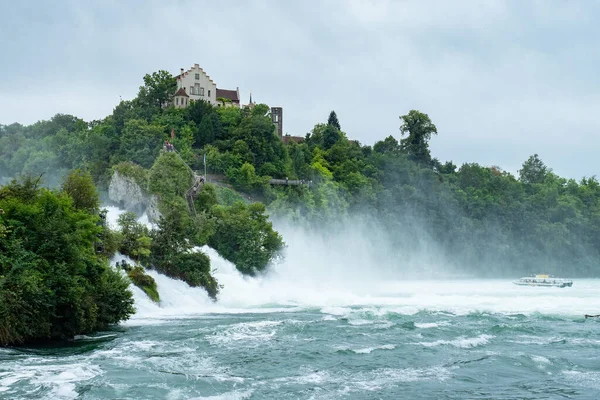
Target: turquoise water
<point>413,340</point>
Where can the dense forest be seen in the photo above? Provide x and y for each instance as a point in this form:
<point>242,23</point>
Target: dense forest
<point>480,218</point>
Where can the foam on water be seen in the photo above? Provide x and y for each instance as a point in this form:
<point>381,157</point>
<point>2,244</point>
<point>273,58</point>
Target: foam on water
<point>59,380</point>
<point>341,282</point>
<point>234,395</point>
<point>461,342</point>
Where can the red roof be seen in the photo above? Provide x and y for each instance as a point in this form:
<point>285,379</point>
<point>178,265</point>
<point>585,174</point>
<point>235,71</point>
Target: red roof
<point>181,92</point>
<point>228,94</point>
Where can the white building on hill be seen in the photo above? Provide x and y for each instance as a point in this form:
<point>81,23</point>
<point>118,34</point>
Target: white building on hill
<point>197,85</point>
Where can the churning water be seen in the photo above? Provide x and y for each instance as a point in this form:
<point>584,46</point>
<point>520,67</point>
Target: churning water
<point>307,330</point>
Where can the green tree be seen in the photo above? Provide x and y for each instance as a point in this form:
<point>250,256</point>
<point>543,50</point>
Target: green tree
<point>206,132</point>
<point>53,285</point>
<point>245,237</point>
<point>387,145</point>
<point>135,237</point>
<point>419,129</point>
<point>534,170</point>
<point>140,143</point>
<point>158,90</point>
<point>80,186</point>
<point>333,121</point>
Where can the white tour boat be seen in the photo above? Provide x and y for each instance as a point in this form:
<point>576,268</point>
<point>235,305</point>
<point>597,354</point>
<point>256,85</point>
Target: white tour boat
<point>544,280</point>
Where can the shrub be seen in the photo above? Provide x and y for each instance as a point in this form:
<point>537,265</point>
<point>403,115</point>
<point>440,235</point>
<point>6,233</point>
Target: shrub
<point>145,282</point>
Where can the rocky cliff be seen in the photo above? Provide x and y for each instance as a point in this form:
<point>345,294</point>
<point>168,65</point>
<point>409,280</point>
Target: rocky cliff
<point>126,192</point>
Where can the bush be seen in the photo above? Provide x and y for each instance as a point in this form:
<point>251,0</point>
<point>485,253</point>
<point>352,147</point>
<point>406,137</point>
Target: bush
<point>145,282</point>
<point>193,269</point>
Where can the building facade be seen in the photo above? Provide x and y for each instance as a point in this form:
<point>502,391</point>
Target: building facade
<point>181,99</point>
<point>277,118</point>
<point>228,98</point>
<point>197,84</point>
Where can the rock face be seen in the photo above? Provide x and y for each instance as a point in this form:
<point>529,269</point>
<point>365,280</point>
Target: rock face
<point>126,192</point>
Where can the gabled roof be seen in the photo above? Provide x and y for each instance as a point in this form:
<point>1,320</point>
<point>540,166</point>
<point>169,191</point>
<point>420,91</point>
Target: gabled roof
<point>288,138</point>
<point>228,94</point>
<point>181,92</point>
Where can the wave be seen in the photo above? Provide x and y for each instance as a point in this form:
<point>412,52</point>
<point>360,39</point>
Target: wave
<point>461,342</point>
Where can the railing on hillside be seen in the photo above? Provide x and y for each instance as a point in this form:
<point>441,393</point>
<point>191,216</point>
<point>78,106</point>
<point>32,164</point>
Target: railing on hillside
<point>288,182</point>
<point>192,192</point>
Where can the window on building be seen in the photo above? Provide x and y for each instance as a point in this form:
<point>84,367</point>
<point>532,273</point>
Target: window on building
<point>176,101</point>
<point>197,77</point>
<point>191,90</point>
<point>209,93</point>
<point>197,89</point>
<point>276,118</point>
<point>201,91</point>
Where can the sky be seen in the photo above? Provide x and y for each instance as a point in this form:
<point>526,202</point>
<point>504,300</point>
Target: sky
<point>501,80</point>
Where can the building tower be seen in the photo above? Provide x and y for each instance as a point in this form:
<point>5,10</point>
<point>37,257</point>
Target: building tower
<point>277,118</point>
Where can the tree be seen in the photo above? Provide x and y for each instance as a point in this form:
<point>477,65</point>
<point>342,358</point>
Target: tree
<point>387,145</point>
<point>80,186</point>
<point>331,135</point>
<point>534,170</point>
<point>333,121</point>
<point>136,240</point>
<point>206,133</point>
<point>245,237</point>
<point>53,284</point>
<point>140,143</point>
<point>158,90</point>
<point>419,129</point>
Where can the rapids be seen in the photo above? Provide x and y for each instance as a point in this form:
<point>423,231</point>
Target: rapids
<point>319,327</point>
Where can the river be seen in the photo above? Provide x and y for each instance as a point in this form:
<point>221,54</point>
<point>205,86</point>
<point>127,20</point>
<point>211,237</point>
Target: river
<point>300,333</point>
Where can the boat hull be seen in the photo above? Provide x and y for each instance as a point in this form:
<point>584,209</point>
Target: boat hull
<point>545,284</point>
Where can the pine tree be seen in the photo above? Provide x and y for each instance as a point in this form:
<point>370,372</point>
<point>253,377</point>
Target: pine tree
<point>333,120</point>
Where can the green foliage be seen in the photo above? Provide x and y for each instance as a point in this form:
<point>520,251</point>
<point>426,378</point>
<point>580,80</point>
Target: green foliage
<point>172,252</point>
<point>246,180</point>
<point>139,143</point>
<point>158,90</point>
<point>169,177</point>
<point>387,145</point>
<point>534,170</point>
<point>206,132</point>
<point>331,135</point>
<point>80,186</point>
<point>135,237</point>
<point>145,282</point>
<point>207,198</point>
<point>134,171</point>
<point>333,121</point>
<point>245,237</point>
<point>53,285</point>
<point>419,129</point>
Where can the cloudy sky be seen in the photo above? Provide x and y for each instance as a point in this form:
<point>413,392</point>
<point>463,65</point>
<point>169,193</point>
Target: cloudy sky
<point>500,79</point>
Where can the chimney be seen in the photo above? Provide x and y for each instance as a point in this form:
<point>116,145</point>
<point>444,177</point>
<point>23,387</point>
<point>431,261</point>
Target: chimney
<point>181,71</point>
